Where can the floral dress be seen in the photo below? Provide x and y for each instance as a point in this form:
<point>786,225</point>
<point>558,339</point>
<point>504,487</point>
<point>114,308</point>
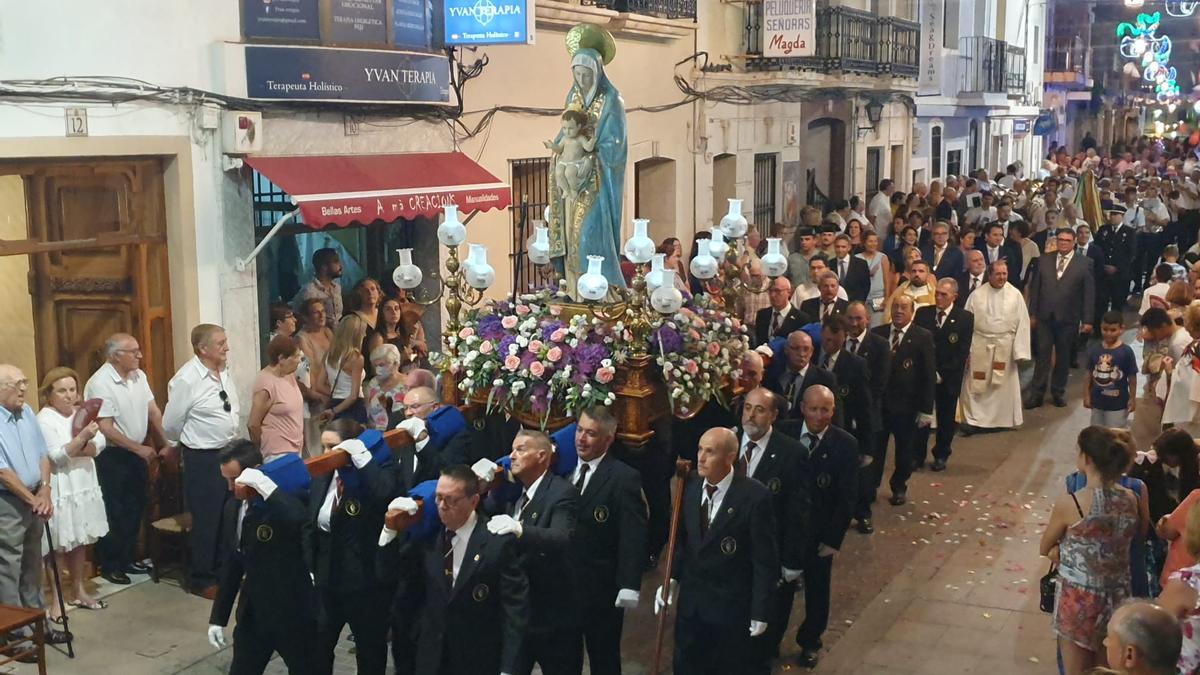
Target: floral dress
<point>1189,656</point>
<point>1093,572</point>
<point>377,414</point>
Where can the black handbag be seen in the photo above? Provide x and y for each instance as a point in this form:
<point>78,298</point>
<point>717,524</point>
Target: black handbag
<point>1049,585</point>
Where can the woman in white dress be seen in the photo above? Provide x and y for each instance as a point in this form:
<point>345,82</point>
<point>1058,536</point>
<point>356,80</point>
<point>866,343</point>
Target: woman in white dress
<point>79,518</point>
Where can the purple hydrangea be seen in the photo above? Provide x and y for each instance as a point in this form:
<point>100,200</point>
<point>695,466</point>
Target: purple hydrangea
<point>505,343</point>
<point>588,357</point>
<point>549,329</point>
<point>490,328</point>
<point>666,339</point>
<point>539,399</point>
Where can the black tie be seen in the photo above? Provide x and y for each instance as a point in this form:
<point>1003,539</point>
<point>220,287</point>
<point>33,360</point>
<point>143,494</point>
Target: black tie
<point>706,509</point>
<point>896,337</point>
<point>854,345</point>
<point>522,503</point>
<point>941,317</point>
<point>448,556</point>
<point>775,323</point>
<point>745,461</point>
<point>826,361</point>
<point>812,441</point>
<point>974,283</point>
<point>583,471</point>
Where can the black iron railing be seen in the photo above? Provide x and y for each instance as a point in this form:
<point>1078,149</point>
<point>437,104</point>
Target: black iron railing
<point>1014,69</point>
<point>667,9</point>
<point>847,40</point>
<point>983,65</point>
<point>1064,55</point>
<point>764,189</point>
<point>814,197</point>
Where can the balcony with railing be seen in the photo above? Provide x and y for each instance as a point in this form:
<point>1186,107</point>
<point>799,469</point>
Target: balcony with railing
<point>847,41</point>
<point>1067,61</point>
<point>990,66</point>
<point>666,9</point>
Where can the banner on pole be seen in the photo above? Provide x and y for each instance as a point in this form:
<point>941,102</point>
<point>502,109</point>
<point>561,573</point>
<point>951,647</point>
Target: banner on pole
<point>933,26</point>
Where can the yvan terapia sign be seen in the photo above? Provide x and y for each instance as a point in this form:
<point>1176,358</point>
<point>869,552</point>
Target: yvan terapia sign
<point>489,22</point>
<point>789,28</point>
<point>327,74</point>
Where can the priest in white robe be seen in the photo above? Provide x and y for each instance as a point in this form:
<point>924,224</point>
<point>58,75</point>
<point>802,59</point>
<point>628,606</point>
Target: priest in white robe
<point>991,392</point>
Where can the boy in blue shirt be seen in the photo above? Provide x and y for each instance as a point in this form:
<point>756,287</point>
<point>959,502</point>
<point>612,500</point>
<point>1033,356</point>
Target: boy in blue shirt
<point>1111,388</point>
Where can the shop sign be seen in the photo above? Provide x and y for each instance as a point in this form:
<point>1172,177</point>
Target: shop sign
<point>281,19</point>
<point>489,22</point>
<point>789,28</point>
<point>933,25</point>
<point>410,23</point>
<point>328,74</point>
<point>358,22</point>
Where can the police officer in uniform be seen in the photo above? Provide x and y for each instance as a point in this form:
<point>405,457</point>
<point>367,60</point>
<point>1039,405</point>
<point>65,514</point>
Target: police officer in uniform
<point>266,564</point>
<point>610,538</point>
<point>1119,244</point>
<point>726,564</point>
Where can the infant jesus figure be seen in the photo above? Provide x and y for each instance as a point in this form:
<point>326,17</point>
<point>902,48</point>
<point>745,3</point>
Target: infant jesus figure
<point>574,151</point>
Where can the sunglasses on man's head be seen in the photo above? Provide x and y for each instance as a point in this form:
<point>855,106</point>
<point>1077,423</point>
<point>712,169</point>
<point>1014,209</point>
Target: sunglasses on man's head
<point>225,401</point>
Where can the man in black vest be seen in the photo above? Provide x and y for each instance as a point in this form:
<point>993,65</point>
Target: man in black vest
<point>266,565</point>
<point>952,328</point>
<point>909,401</point>
<point>772,458</point>
<point>829,461</point>
<point>544,519</point>
<point>610,538</point>
<point>726,564</point>
<point>470,595</point>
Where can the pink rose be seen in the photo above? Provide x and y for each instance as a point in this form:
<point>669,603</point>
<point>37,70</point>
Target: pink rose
<point>713,349</point>
<point>485,348</point>
<point>691,367</point>
<point>627,336</point>
<point>558,335</point>
<point>537,369</point>
<point>535,346</point>
<point>511,362</point>
<point>554,354</point>
<point>466,332</point>
<point>555,311</point>
<point>522,310</point>
<point>509,322</point>
<point>605,375</point>
<point>693,334</point>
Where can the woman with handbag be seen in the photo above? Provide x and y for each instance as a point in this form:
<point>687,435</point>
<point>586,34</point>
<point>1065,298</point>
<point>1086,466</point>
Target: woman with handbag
<point>1089,535</point>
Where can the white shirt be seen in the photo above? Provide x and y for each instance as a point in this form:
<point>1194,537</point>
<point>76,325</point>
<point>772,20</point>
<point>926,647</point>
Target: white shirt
<point>195,415</point>
<point>1134,217</point>
<point>880,208</point>
<point>832,360</point>
<point>760,447</point>
<point>1158,290</point>
<point>979,282</point>
<point>462,537</point>
<point>1064,266</point>
<point>1007,182</point>
<point>819,434</point>
<point>418,446</point>
<point>809,291</point>
<point>326,512</point>
<point>127,401</point>
<point>837,218</point>
<point>719,496</point>
<point>529,493</point>
<point>592,465</point>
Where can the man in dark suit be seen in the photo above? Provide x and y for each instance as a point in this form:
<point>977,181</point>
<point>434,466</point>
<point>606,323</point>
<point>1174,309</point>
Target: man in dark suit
<point>610,538</point>
<point>266,565</point>
<point>470,594</point>
<point>726,564</point>
<point>1061,301</point>
<point>544,519</point>
<point>346,508</point>
<point>830,463</point>
<point>909,400</point>
<point>945,260</point>
<point>827,302</point>
<point>973,277</point>
<point>852,272</point>
<point>781,317</point>
<point>995,245</point>
<point>853,392</point>
<point>790,376</point>
<point>875,351</point>
<point>772,458</point>
<point>1085,246</point>
<point>952,328</point>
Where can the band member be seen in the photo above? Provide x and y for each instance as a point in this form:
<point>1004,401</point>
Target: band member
<point>952,328</point>
<point>266,564</point>
<point>610,539</point>
<point>726,563</point>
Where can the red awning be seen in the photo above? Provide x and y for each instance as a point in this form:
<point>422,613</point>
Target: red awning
<point>347,189</point>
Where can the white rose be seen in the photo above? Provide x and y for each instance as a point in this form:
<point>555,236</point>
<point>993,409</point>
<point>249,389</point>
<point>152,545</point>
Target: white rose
<point>497,382</point>
<point>522,341</point>
<point>606,363</point>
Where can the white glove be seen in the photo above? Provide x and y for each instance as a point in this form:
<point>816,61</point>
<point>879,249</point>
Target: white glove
<point>924,420</point>
<point>359,454</point>
<point>627,598</point>
<point>257,481</point>
<point>216,636</point>
<point>824,551</point>
<point>660,602</point>
<point>790,575</point>
<point>765,350</point>
<point>757,628</point>
<point>406,504</point>
<point>505,525</point>
<point>939,378</point>
<point>415,426</point>
<point>486,469</point>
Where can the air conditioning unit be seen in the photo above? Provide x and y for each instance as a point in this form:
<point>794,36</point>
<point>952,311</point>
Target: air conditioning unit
<point>241,132</point>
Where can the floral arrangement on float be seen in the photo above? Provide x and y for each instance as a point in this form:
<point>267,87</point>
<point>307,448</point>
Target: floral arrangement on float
<point>525,354</point>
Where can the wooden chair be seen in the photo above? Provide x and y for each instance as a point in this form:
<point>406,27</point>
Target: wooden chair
<point>170,524</point>
<point>13,619</point>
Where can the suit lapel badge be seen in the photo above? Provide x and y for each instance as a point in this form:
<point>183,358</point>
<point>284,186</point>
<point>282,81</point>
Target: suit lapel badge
<point>953,338</point>
<point>352,507</point>
<point>532,516</point>
<point>774,484</point>
<point>907,364</point>
<point>728,545</point>
<point>480,592</point>
<point>600,513</point>
<point>264,533</point>
<point>476,558</point>
<point>824,480</point>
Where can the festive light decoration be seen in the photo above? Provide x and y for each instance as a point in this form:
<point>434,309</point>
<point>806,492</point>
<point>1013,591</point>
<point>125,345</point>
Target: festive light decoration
<point>1140,42</point>
<point>1180,8</point>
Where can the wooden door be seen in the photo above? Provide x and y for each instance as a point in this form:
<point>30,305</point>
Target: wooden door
<point>89,289</point>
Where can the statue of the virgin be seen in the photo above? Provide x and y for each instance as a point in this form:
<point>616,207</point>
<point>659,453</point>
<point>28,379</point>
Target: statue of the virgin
<point>589,163</point>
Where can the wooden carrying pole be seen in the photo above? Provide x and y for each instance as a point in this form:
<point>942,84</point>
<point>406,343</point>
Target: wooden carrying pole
<point>682,469</point>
